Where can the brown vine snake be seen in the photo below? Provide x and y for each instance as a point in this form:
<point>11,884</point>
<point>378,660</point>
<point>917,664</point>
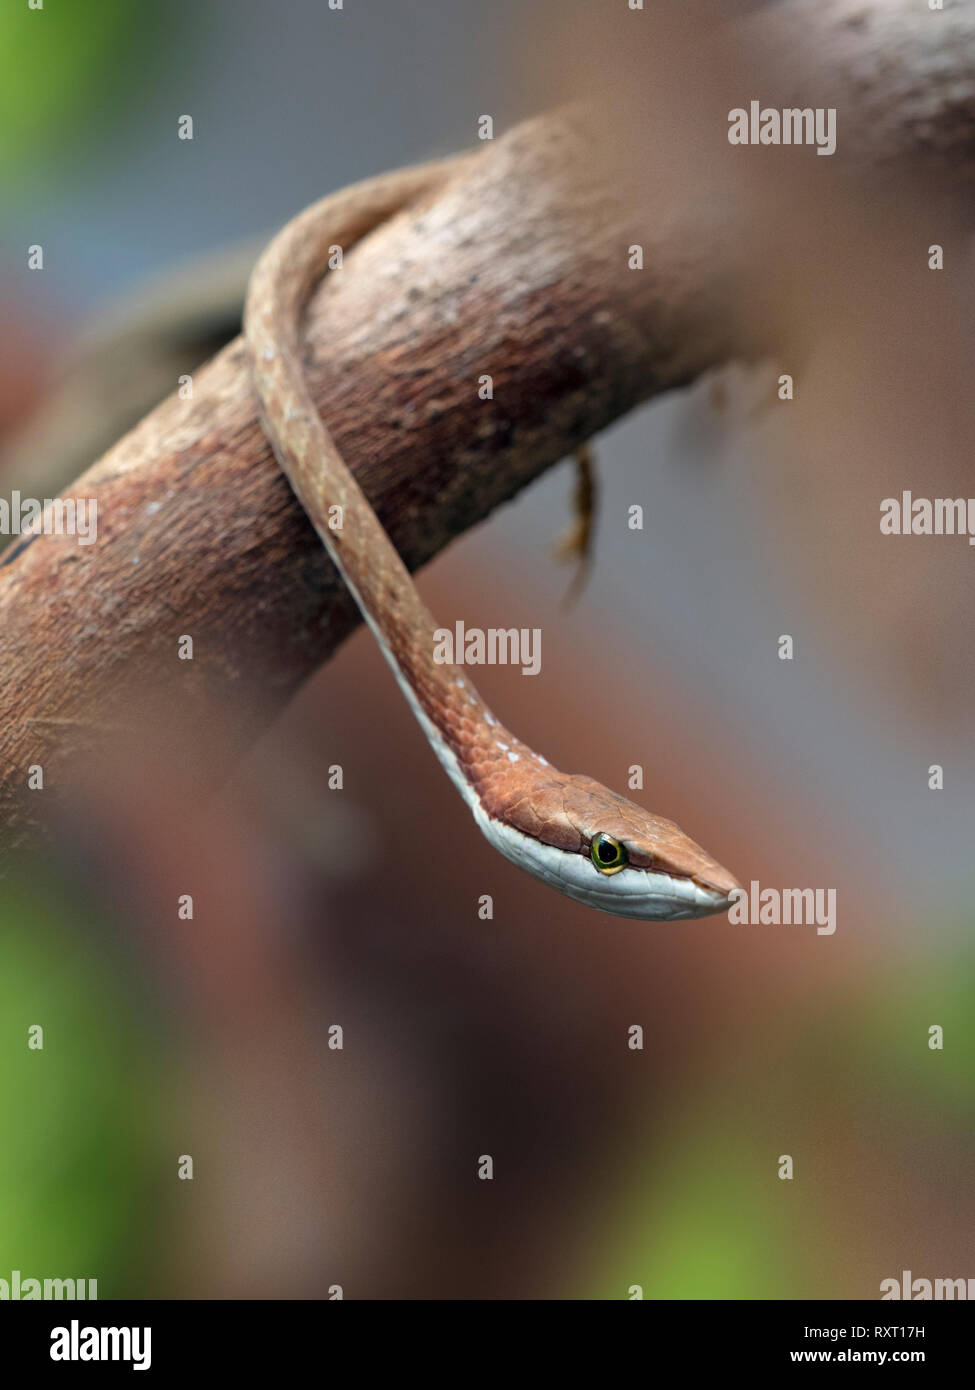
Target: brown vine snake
<point>566,829</point>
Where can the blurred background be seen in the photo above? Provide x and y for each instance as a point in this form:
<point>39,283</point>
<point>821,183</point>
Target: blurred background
<point>315,1167</point>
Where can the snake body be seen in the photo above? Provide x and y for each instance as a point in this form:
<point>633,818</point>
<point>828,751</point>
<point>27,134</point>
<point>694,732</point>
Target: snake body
<point>566,829</point>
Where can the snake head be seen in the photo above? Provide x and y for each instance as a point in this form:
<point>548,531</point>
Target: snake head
<point>644,865</point>
<point>603,850</point>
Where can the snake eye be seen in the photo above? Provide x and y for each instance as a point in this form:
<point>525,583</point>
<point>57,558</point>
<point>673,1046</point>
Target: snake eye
<point>607,854</point>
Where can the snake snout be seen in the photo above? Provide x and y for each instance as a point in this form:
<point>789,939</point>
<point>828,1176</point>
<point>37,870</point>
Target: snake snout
<point>719,885</point>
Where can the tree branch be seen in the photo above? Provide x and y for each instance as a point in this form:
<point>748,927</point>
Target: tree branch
<point>519,270</point>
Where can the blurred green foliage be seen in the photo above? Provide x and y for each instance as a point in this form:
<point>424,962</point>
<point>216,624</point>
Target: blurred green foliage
<point>707,1219</point>
<point>66,69</point>
<point>712,1223</point>
<point>80,1126</point>
<point>939,1081</point>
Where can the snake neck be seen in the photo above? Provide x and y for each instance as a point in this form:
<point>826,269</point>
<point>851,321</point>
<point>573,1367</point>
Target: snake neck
<point>482,757</point>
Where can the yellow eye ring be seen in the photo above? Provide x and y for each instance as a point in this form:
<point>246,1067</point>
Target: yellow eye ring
<point>607,854</point>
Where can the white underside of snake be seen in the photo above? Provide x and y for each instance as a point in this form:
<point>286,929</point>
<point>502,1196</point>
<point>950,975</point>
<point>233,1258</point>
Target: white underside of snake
<point>566,829</point>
